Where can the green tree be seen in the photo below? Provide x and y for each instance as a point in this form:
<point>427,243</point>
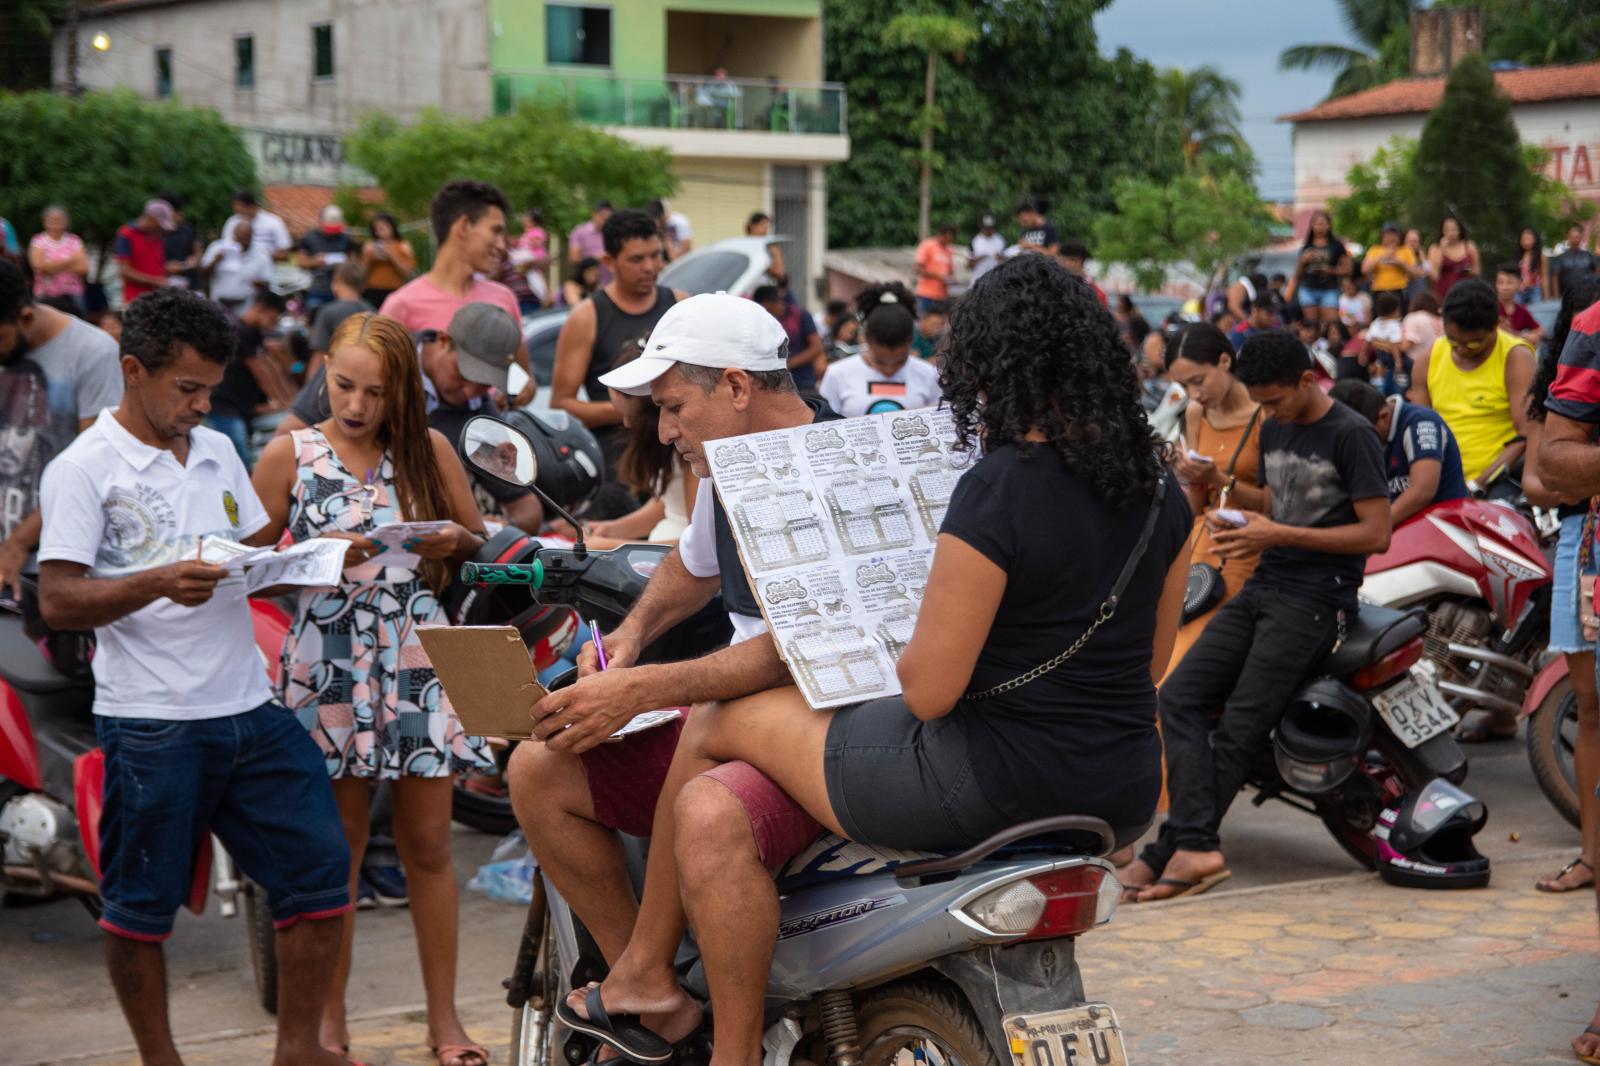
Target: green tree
<point>935,35</point>
<point>1383,28</point>
<point>1199,109</point>
<point>102,155</point>
<point>1538,32</point>
<point>25,32</point>
<point>1381,190</point>
<point>1470,163</point>
<point>1196,224</point>
<point>537,155</point>
<point>1063,132</point>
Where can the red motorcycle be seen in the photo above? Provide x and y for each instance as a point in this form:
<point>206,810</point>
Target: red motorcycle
<point>52,774</point>
<point>1479,568</point>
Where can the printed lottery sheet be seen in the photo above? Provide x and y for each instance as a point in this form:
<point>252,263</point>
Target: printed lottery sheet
<point>836,524</point>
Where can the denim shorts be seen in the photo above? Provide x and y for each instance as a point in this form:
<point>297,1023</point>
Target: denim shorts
<point>897,782</point>
<point>255,779</point>
<point>1566,630</point>
<point>1319,297</point>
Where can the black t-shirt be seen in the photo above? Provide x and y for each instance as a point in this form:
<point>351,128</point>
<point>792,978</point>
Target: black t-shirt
<point>1044,236</point>
<point>1316,473</point>
<point>330,317</point>
<point>1319,272</point>
<point>238,396</point>
<point>1572,266</point>
<point>1080,739</point>
<point>311,407</point>
<point>178,246</point>
<point>338,245</point>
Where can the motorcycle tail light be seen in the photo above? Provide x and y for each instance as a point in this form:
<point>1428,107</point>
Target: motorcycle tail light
<point>1389,667</point>
<point>1046,906</point>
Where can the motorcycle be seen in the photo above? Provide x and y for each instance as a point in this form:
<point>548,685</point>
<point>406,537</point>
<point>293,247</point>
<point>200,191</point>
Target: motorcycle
<point>878,952</point>
<point>52,775</point>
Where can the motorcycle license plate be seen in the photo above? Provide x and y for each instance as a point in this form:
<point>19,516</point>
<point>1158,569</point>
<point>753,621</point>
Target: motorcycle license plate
<point>1415,711</point>
<point>1078,1037</point>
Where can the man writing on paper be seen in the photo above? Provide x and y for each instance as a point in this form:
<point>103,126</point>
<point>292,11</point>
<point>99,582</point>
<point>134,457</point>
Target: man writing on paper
<point>183,710</point>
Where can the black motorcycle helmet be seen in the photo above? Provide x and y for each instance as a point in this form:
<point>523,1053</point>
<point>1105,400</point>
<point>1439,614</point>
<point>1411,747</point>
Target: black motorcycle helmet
<point>1322,737</point>
<point>547,631</point>
<point>571,464</point>
<point>1425,839</point>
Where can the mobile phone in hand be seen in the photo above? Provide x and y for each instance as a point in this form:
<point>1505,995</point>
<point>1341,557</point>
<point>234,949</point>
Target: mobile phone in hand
<point>1230,517</point>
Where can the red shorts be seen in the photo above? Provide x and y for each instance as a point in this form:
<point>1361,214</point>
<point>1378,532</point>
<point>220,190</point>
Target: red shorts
<point>626,777</point>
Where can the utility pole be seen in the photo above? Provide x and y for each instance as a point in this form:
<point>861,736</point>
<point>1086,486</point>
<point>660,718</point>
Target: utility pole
<point>74,87</point>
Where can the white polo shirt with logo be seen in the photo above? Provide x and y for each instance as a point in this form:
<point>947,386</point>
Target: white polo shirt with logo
<point>119,506</point>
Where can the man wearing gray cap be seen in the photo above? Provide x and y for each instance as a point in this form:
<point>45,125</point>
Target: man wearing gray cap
<point>459,366</point>
<point>141,250</point>
<point>716,366</point>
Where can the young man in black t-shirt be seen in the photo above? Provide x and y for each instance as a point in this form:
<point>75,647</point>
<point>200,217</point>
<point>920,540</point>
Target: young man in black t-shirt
<point>1328,498</point>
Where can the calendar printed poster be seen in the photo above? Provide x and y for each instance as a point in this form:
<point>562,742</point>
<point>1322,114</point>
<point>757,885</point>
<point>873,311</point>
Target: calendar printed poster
<point>836,523</point>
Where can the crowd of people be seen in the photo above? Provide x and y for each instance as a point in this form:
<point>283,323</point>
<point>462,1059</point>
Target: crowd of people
<point>1308,435</point>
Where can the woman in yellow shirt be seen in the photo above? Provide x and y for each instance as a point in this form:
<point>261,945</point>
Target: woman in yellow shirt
<point>1390,265</point>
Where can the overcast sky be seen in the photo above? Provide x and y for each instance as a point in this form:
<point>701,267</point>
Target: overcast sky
<point>1241,38</point>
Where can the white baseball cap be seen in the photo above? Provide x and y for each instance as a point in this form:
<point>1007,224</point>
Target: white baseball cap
<point>711,329</point>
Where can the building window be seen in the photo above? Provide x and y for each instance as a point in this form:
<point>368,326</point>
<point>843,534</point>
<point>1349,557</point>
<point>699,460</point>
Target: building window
<point>244,61</point>
<point>163,73</point>
<point>322,50</point>
<point>577,35</point>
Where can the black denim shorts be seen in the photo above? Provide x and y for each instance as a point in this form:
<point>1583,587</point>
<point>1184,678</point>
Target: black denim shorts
<point>898,782</point>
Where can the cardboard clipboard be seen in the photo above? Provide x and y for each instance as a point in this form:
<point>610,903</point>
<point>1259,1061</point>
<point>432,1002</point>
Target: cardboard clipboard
<point>486,672</point>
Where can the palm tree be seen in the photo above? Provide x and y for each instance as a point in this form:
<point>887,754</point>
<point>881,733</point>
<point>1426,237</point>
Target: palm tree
<point>936,35</point>
<point>1383,27</point>
<point>1200,108</point>
<point>1539,32</point>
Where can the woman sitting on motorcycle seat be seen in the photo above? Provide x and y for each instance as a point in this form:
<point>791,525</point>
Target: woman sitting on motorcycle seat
<point>1219,459</point>
<point>995,725</point>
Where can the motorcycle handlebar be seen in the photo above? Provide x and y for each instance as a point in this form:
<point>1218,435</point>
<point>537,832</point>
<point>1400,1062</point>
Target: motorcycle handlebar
<point>530,574</point>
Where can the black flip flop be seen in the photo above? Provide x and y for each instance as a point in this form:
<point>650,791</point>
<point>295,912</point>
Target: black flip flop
<point>625,1032</point>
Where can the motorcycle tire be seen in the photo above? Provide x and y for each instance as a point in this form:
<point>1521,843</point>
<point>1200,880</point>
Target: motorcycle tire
<point>263,945</point>
<point>906,1014</point>
<point>1550,749</point>
<point>486,814</point>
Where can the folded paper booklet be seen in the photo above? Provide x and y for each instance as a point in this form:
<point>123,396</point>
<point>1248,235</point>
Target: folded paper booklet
<point>395,534</point>
<point>315,563</point>
<point>486,672</point>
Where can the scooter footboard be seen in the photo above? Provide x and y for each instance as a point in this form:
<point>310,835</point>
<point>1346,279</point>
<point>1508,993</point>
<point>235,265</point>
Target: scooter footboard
<point>1034,977</point>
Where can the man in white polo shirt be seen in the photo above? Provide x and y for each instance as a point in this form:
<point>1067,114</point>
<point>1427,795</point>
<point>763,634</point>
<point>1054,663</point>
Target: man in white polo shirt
<point>193,741</point>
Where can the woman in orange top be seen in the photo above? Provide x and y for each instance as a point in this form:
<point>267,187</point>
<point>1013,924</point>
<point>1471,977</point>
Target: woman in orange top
<point>389,260</point>
<point>1222,430</point>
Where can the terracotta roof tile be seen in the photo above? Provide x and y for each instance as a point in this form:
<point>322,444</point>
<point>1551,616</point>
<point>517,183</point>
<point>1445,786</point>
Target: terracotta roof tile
<point>1411,96</point>
<point>301,205</point>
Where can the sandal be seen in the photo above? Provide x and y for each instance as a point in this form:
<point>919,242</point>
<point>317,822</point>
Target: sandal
<point>1187,888</point>
<point>625,1032</point>
<point>453,1054</point>
<point>1591,1030</point>
<point>1552,886</point>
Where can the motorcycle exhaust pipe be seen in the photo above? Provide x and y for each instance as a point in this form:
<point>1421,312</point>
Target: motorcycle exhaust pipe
<point>1479,697</point>
<point>1493,658</point>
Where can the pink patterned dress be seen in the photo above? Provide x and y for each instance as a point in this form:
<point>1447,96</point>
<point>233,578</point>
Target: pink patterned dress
<point>354,671</point>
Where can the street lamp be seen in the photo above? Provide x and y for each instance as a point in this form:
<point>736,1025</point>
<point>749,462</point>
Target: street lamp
<point>101,42</point>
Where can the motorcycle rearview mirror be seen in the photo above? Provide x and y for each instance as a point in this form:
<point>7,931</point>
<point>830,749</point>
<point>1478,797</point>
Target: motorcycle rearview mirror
<point>503,453</point>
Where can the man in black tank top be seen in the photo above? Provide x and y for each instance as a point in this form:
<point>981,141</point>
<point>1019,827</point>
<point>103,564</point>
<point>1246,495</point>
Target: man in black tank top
<point>717,366</point>
<point>621,312</point>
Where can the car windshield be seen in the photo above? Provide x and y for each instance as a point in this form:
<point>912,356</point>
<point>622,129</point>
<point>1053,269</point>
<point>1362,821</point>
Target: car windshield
<point>711,272</point>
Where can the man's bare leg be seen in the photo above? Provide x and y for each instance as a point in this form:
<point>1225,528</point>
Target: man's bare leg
<point>139,974</point>
<point>307,954</point>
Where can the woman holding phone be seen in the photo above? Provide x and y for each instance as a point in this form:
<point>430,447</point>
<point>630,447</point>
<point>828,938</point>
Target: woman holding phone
<point>353,666</point>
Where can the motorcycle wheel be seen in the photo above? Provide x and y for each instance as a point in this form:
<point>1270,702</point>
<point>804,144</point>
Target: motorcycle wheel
<point>263,945</point>
<point>533,1024</point>
<point>486,814</point>
<point>1552,734</point>
<point>918,1016</point>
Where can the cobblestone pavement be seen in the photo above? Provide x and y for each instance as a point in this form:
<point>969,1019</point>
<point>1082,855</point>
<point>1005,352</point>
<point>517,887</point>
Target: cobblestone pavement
<point>1342,970</point>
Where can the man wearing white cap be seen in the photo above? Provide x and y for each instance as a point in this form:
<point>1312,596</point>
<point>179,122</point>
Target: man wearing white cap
<point>717,367</point>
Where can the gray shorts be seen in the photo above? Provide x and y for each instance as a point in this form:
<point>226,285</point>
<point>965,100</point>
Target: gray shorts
<point>898,782</point>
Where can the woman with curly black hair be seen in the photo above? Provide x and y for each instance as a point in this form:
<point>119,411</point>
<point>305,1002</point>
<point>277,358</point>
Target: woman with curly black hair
<point>884,377</point>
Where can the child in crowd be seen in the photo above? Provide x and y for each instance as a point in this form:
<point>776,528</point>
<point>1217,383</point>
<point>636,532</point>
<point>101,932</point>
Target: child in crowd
<point>930,327</point>
<point>1514,317</point>
<point>1355,306</point>
<point>1382,351</point>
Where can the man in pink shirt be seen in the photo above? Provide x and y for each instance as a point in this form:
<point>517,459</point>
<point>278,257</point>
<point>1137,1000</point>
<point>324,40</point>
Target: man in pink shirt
<point>936,264</point>
<point>469,224</point>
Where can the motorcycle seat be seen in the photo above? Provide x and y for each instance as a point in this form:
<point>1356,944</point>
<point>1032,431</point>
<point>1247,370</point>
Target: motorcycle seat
<point>1373,633</point>
<point>23,666</point>
<point>832,858</point>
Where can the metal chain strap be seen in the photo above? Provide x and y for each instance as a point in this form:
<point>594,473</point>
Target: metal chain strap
<point>1107,609</point>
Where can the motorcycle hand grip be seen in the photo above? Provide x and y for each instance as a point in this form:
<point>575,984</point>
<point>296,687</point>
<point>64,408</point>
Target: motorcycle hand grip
<point>530,574</point>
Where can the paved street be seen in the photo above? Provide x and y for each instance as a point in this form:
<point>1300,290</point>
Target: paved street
<point>1298,959</point>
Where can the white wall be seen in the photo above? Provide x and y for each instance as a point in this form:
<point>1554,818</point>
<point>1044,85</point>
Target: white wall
<point>395,55</point>
<point>1325,151</point>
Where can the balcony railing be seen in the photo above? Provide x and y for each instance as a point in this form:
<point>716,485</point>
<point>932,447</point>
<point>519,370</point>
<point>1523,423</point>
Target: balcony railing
<point>673,101</point>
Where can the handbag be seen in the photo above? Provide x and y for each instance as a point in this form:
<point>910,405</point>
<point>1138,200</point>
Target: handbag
<point>1102,616</point>
<point>1205,588</point>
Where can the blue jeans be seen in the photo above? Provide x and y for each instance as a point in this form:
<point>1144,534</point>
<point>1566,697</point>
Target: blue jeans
<point>256,779</point>
<point>1566,627</point>
<point>236,429</point>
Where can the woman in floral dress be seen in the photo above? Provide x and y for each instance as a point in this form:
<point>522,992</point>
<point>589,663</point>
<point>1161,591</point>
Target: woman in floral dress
<point>353,667</point>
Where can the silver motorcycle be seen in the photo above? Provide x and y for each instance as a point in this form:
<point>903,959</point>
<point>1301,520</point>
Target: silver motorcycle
<point>953,958</point>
